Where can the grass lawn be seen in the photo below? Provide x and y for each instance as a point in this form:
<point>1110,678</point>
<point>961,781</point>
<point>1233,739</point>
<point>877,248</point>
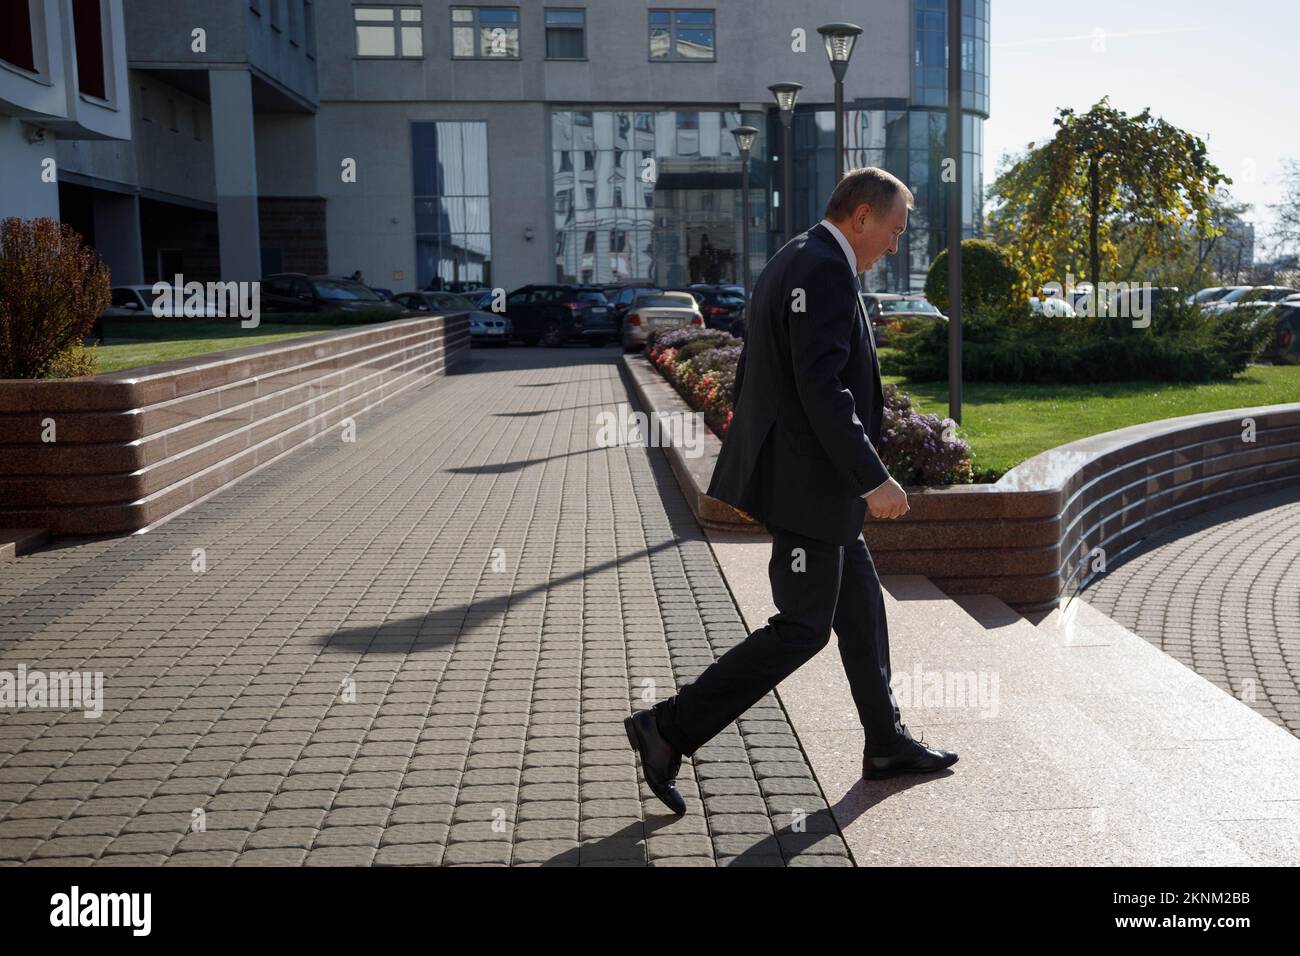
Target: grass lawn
<point>1006,424</point>
<point>132,342</point>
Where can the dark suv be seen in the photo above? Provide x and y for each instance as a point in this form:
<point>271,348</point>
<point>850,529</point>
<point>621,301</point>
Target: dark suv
<point>622,299</point>
<point>556,314</point>
<point>723,307</point>
<point>295,292</point>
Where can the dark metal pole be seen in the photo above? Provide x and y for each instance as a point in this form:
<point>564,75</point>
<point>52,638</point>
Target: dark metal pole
<point>744,226</point>
<point>787,193</point>
<point>839,128</point>
<point>955,188</point>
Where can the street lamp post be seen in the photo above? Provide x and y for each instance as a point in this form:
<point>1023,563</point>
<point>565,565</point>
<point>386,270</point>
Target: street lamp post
<point>745,141</point>
<point>955,191</point>
<point>787,94</point>
<point>839,39</point>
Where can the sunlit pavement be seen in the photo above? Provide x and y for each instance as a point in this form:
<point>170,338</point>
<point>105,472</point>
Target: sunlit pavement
<point>349,671</point>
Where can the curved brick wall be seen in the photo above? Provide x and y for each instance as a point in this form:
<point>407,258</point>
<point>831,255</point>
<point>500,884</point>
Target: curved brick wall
<point>134,447</point>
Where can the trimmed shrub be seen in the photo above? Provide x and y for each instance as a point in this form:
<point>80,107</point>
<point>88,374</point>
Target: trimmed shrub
<point>52,288</point>
<point>918,448</point>
<point>1182,343</point>
<point>989,279</point>
<point>73,362</point>
<point>701,365</point>
<point>676,338</point>
<point>703,344</point>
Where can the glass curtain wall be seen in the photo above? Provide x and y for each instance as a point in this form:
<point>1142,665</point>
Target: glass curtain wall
<point>654,196</point>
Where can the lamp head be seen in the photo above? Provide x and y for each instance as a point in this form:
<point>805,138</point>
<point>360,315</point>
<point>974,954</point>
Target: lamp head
<point>839,39</point>
<point>745,138</point>
<point>787,94</point>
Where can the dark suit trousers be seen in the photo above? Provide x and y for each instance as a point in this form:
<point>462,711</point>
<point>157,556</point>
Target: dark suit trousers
<point>826,587</point>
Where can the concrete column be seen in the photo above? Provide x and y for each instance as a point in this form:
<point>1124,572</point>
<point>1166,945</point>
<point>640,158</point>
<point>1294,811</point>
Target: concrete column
<point>235,155</point>
<point>23,192</point>
<point>117,236</point>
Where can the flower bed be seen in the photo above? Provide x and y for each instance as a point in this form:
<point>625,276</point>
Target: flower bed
<point>917,448</point>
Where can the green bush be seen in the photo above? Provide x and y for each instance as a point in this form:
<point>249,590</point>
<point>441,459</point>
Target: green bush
<point>1181,344</point>
<point>989,279</point>
<point>73,362</point>
<point>703,344</point>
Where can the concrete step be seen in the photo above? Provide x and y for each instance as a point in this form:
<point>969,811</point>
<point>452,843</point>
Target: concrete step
<point>1080,743</point>
<point>16,541</point>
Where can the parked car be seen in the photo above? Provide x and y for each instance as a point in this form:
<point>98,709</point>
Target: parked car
<point>1270,293</point>
<point>656,311</point>
<point>1054,307</point>
<point>731,287</point>
<point>295,292</point>
<point>622,300</point>
<point>435,302</point>
<point>556,314</point>
<point>609,290</point>
<point>481,298</point>
<point>485,328</point>
<point>129,301</point>
<point>137,301</point>
<point>721,305</point>
<point>1127,303</point>
<point>1285,347</point>
<point>1246,295</point>
<point>886,308</point>
<point>1207,295</point>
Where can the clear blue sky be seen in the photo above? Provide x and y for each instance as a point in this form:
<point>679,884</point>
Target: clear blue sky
<point>1229,72</point>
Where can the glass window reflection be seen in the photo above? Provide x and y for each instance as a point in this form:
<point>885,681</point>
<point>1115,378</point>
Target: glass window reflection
<point>452,223</point>
<point>662,203</point>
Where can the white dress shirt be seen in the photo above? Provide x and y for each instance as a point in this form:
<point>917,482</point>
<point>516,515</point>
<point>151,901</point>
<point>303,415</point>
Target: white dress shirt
<point>853,264</point>
<point>844,244</point>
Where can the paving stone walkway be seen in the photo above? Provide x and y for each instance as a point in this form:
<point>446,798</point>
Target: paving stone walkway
<point>417,648</point>
<point>1221,593</point>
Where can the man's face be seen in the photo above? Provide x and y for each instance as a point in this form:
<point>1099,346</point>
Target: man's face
<point>872,234</point>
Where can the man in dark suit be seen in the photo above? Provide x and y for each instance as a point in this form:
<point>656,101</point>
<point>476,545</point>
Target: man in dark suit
<point>800,456</point>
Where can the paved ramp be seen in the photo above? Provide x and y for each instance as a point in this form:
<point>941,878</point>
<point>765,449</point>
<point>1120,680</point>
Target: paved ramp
<point>1095,748</point>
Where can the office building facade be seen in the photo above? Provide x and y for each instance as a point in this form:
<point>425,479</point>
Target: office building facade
<point>448,144</point>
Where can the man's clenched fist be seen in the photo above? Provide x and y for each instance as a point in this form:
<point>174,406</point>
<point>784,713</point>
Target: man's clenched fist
<point>888,501</point>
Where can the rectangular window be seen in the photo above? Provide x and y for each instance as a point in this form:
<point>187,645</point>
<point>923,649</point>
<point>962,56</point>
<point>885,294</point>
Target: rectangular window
<point>375,31</point>
<point>88,29</point>
<point>295,27</point>
<point>145,113</point>
<point>197,119</point>
<point>566,34</point>
<point>682,35</point>
<point>384,31</point>
<point>276,17</point>
<point>453,233</point>
<point>485,32</point>
<point>16,35</point>
<point>411,30</point>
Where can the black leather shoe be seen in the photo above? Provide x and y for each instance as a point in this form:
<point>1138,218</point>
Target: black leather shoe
<point>660,761</point>
<point>911,757</point>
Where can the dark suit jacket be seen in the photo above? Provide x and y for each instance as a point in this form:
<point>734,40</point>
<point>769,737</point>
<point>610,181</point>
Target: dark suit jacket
<point>798,454</point>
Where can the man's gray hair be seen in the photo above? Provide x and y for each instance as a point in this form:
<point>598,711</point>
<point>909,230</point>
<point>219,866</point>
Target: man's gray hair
<point>866,184</point>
